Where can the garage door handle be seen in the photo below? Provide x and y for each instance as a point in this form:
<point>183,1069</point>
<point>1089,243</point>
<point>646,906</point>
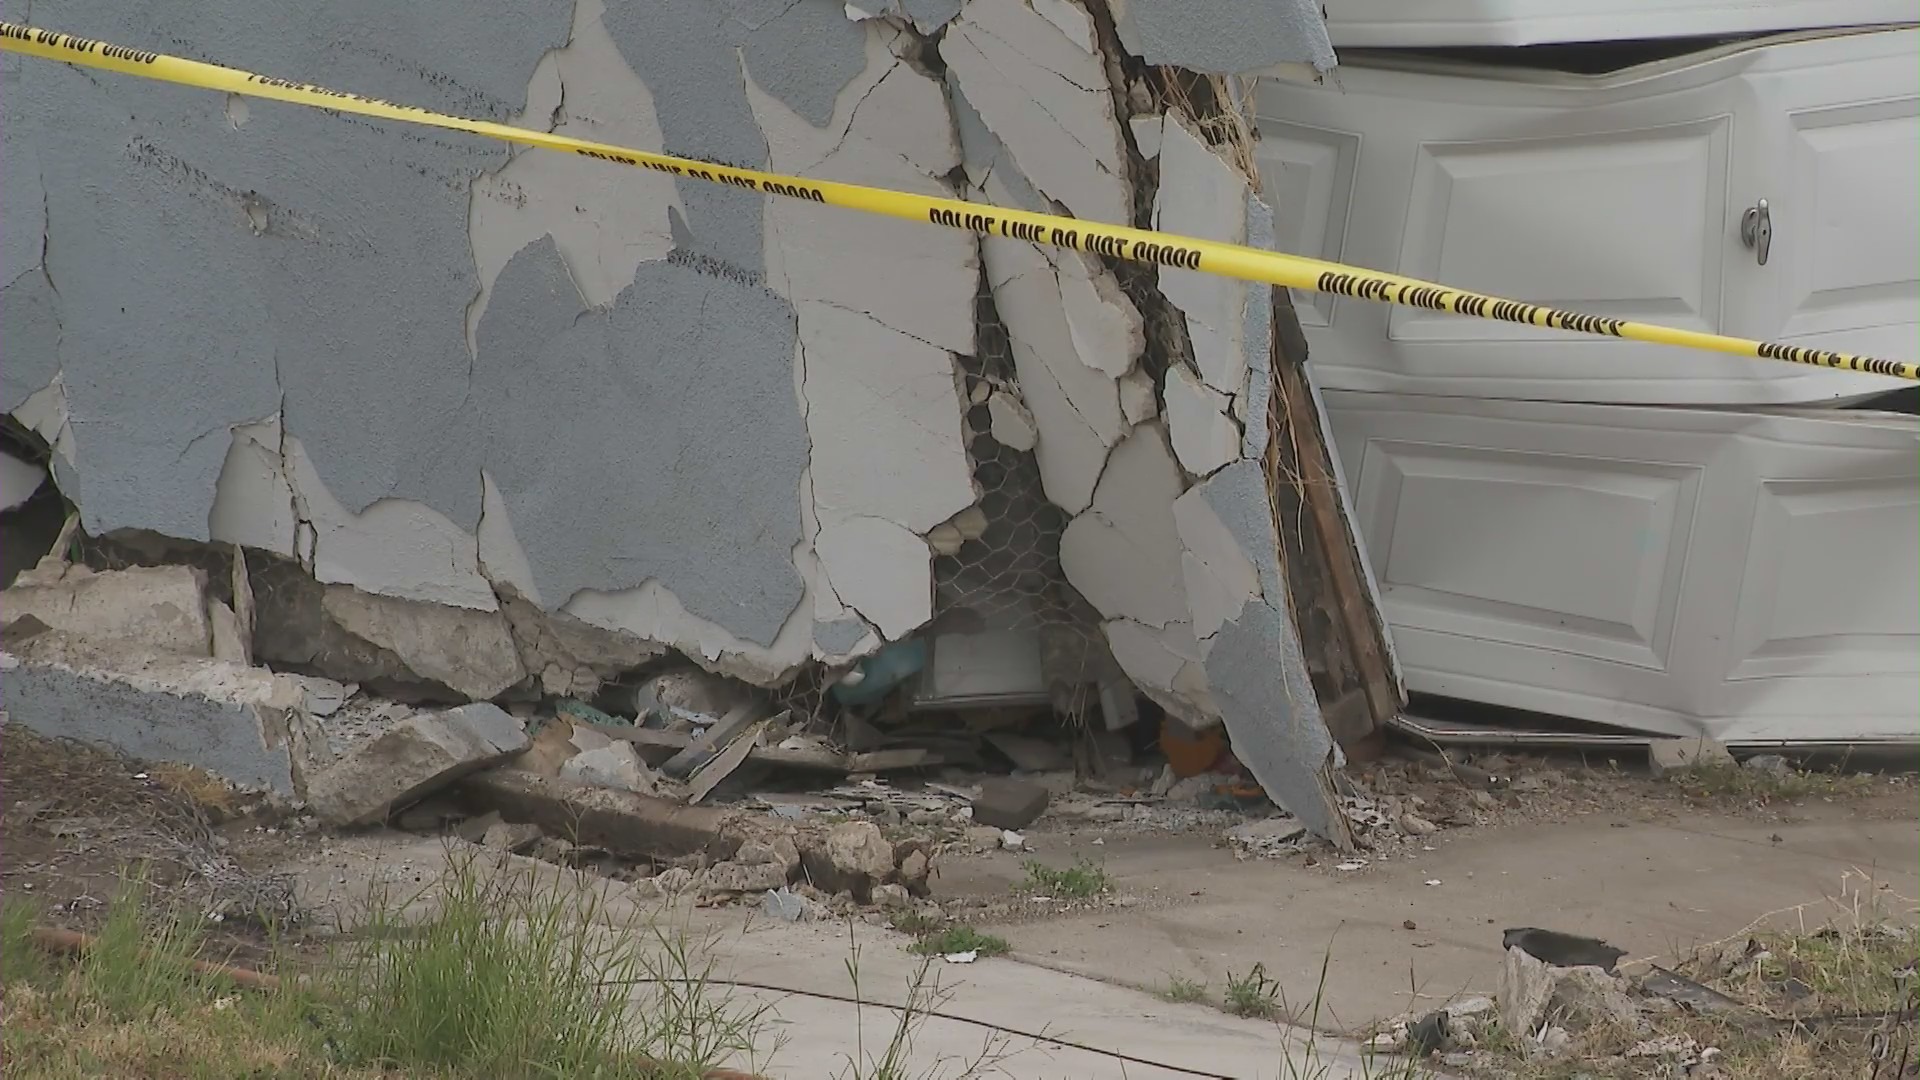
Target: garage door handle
<point>1756,230</point>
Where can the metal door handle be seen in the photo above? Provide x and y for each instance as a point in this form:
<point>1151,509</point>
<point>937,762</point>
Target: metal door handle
<point>1756,230</point>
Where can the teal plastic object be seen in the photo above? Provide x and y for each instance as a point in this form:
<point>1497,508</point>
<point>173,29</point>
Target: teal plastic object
<point>881,672</point>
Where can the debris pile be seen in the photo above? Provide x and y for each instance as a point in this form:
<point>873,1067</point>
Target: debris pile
<point>1563,999</point>
<point>846,794</point>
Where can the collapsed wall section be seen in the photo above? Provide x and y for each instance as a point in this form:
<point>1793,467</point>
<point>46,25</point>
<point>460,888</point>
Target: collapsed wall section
<point>599,411</point>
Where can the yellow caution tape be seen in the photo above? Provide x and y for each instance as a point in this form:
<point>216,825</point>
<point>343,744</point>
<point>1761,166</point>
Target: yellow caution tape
<point>1138,245</point>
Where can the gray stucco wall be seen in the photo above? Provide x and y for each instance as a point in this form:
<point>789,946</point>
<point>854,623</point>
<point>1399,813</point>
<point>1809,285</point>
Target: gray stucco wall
<point>432,366</point>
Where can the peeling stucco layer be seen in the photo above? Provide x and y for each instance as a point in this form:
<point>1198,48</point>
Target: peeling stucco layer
<point>1035,75</point>
<point>1225,37</point>
<point>447,371</point>
<point>426,365</point>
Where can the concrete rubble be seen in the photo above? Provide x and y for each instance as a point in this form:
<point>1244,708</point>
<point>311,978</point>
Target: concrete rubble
<point>410,759</point>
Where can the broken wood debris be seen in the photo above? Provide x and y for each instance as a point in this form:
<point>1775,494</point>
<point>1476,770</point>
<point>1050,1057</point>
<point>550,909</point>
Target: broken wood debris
<point>662,744</point>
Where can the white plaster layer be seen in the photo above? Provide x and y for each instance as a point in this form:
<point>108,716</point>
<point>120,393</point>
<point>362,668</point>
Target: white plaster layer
<point>1106,329</point>
<point>1043,90</point>
<point>1202,195</point>
<point>1075,405</point>
<point>653,613</point>
<point>1123,554</point>
<point>45,414</point>
<point>1146,135</point>
<point>395,547</point>
<point>891,129</point>
<point>881,306</point>
<point>500,557</point>
<point>884,420</point>
<point>880,570</point>
<point>1013,425</point>
<point>253,504</point>
<point>606,219</point>
<point>1137,401</point>
<point>1220,578</point>
<point>1204,437</point>
<point>18,480</point>
<point>1165,664</point>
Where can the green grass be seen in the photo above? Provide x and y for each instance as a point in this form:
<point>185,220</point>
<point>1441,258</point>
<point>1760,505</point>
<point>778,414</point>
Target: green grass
<point>1252,995</point>
<point>1184,991</point>
<point>498,980</point>
<point>1738,783</point>
<point>959,939</point>
<point>1079,881</point>
<point>917,923</point>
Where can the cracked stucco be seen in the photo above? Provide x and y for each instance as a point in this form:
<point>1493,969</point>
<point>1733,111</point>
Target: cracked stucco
<point>1225,37</point>
<point>448,371</point>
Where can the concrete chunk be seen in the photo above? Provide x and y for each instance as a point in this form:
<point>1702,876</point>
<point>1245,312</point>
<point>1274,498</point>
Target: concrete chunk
<point>412,758</point>
<point>619,821</point>
<point>248,726</point>
<point>1678,755</point>
<point>734,877</point>
<point>155,607</point>
<point>1008,804</point>
<point>616,765</point>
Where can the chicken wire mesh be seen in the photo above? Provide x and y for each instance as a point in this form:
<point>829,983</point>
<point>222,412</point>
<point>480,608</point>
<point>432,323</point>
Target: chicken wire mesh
<point>996,567</point>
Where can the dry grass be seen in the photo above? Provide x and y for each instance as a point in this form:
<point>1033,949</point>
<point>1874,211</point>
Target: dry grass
<point>1761,787</point>
<point>1833,1001</point>
<point>76,805</point>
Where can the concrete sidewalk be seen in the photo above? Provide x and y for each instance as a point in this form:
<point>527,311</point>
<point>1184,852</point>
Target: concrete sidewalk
<point>1651,887</point>
<point>1143,1037</point>
<point>1140,1032</point>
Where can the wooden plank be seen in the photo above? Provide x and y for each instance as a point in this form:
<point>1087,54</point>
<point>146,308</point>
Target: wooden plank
<point>653,744</point>
<point>720,734</point>
<point>910,757</point>
<point>1336,543</point>
<point>1331,579</point>
<point>702,783</point>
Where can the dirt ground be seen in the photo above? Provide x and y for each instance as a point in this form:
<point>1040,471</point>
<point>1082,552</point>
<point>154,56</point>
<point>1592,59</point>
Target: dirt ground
<point>1411,921</point>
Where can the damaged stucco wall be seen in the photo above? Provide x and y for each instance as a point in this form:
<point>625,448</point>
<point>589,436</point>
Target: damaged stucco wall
<point>559,395</point>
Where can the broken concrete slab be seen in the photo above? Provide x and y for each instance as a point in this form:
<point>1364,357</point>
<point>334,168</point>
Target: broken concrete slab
<point>248,726</point>
<point>421,754</point>
<point>634,826</point>
<point>1005,803</point>
<point>737,877</point>
<point>616,766</point>
<point>295,629</point>
<point>153,607</point>
<point>571,657</point>
<point>1526,985</point>
<point>471,652</point>
<point>853,856</point>
<point>1534,993</point>
<point>509,837</point>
